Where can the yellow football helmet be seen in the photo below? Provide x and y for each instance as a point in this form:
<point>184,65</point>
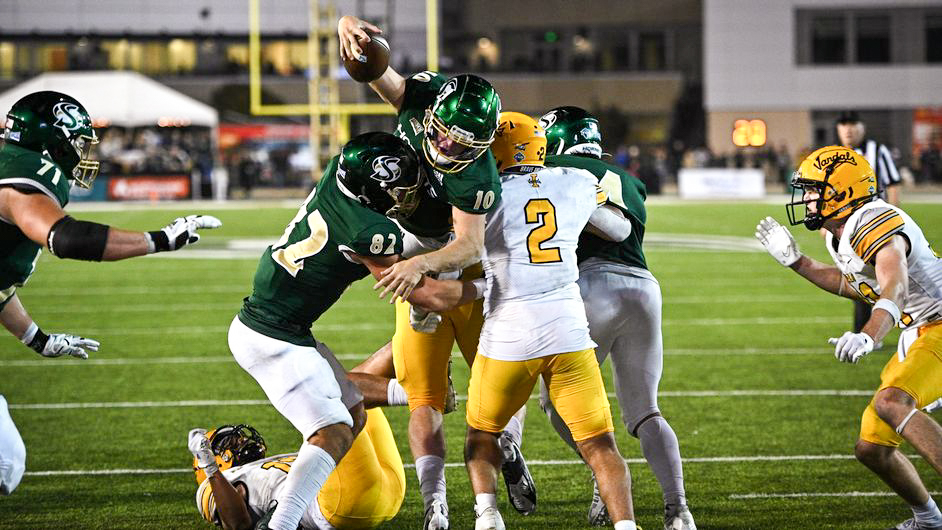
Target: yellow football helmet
<point>842,181</point>
<point>519,143</point>
<point>233,445</point>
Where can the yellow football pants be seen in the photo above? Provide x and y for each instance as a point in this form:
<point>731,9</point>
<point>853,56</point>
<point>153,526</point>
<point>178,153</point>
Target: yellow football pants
<point>369,484</point>
<point>421,359</point>
<point>499,388</point>
<point>919,375</point>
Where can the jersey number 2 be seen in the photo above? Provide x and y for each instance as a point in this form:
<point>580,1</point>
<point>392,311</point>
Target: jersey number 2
<point>291,257</point>
<point>543,213</point>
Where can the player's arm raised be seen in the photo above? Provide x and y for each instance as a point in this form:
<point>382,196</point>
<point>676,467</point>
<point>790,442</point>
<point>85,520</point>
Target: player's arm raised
<point>391,86</point>
<point>229,502</point>
<point>45,223</point>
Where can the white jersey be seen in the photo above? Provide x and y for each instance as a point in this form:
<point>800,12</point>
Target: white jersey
<point>264,481</point>
<point>532,305</point>
<point>866,231</point>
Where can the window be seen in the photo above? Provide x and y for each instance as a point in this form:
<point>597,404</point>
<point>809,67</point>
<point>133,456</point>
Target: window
<point>934,39</point>
<point>828,40</point>
<point>651,52</point>
<point>873,39</point>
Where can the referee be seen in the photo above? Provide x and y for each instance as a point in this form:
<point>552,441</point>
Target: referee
<point>851,133</point>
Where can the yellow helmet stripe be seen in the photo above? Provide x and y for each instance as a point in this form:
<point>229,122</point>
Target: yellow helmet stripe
<point>862,231</point>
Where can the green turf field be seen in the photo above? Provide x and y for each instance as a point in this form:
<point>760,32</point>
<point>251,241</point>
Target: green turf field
<point>766,416</point>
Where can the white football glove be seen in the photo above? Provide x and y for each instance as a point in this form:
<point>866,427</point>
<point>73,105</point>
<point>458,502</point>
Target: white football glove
<point>851,347</point>
<point>424,321</point>
<point>181,232</point>
<point>778,241</point>
<point>60,344</point>
<point>199,445</point>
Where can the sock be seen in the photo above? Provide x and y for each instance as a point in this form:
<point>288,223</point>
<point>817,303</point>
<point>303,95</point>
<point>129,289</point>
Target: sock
<point>484,500</point>
<point>395,394</point>
<point>514,429</point>
<point>625,525</point>
<point>928,513</point>
<point>662,452</point>
<point>307,476</point>
<point>431,472</point>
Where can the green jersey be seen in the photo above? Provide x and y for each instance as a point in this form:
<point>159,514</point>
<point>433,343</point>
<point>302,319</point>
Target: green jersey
<point>475,189</point>
<point>306,271</point>
<point>625,192</point>
<point>29,172</point>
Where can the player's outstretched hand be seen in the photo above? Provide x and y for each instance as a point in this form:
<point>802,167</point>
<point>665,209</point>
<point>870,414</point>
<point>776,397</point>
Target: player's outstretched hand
<point>401,278</point>
<point>198,444</point>
<point>350,29</point>
<point>60,344</point>
<point>851,347</point>
<point>181,232</point>
<point>778,241</point>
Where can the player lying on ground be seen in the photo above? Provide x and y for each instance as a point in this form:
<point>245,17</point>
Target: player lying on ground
<point>238,483</point>
<point>450,123</point>
<point>623,307</point>
<point>883,258</point>
<point>47,149</point>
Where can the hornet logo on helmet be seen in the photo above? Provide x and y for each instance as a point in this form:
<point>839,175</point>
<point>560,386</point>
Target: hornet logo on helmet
<point>386,168</point>
<point>450,86</point>
<point>68,116</point>
<point>547,121</point>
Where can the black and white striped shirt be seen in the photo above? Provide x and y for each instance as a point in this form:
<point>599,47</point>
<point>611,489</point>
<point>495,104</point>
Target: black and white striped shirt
<point>881,161</point>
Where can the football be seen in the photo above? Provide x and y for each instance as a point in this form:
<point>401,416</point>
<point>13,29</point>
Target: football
<point>372,64</point>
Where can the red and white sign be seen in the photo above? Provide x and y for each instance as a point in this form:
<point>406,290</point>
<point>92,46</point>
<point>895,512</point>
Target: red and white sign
<point>149,188</point>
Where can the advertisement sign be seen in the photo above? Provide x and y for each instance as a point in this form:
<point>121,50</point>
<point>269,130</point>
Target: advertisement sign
<point>97,193</point>
<point>721,183</point>
<point>145,187</point>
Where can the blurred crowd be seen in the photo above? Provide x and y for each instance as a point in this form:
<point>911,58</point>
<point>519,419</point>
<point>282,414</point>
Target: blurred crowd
<point>155,151</point>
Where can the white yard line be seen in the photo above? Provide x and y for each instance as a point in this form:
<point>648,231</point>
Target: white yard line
<point>262,402</point>
<point>695,460</point>
<point>378,326</point>
<point>748,496</point>
<point>131,361</point>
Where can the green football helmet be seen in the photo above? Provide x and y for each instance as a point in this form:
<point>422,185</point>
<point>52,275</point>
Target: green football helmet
<point>382,172</point>
<point>572,131</point>
<point>460,125</point>
<point>58,125</point>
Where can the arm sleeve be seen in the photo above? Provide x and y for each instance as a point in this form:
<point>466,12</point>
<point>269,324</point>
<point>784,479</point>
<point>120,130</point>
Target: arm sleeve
<point>614,226</point>
<point>380,239</point>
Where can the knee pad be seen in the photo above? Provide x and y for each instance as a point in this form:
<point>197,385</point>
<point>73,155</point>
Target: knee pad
<point>634,426</point>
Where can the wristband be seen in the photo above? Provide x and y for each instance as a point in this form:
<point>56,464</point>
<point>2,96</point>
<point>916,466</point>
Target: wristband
<point>211,469</point>
<point>35,338</point>
<point>157,242</point>
<point>478,287</point>
<point>890,307</point>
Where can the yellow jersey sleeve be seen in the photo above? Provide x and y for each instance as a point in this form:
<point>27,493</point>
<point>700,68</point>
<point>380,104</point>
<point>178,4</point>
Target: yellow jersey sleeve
<point>873,234</point>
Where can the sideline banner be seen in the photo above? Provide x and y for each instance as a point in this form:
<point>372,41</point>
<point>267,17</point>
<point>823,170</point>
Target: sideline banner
<point>146,187</point>
<point>721,183</point>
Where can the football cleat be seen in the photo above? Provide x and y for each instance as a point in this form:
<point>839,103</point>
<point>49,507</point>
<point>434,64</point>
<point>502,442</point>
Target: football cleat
<point>488,519</point>
<point>436,516</point>
<point>912,524</point>
<point>678,517</point>
<point>520,487</point>
<point>451,397</point>
<point>598,513</point>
